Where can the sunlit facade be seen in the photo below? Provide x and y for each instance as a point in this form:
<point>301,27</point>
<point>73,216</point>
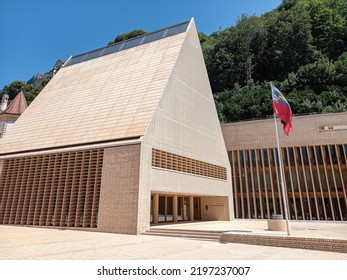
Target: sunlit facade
<point>314,162</point>
<point>120,138</point>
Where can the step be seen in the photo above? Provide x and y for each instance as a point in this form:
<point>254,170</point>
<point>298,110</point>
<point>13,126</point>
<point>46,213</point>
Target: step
<point>187,230</point>
<point>200,237</point>
<point>185,233</point>
<point>196,234</point>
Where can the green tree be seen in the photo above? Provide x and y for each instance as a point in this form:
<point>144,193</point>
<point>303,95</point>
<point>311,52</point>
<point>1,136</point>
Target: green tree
<point>128,35</point>
<point>341,70</point>
<point>30,92</point>
<point>236,53</point>
<point>289,43</point>
<point>248,102</point>
<point>13,88</point>
<point>333,101</point>
<point>329,26</point>
<point>317,76</point>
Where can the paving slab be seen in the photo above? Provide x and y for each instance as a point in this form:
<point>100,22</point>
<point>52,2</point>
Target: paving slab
<point>329,230</point>
<point>29,243</point>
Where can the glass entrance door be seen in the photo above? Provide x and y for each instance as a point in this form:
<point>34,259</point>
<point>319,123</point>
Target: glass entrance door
<point>166,208</point>
<point>165,213</point>
<point>197,210</point>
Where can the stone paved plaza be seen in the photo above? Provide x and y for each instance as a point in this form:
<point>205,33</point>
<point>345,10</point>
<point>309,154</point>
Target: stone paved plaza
<point>23,243</point>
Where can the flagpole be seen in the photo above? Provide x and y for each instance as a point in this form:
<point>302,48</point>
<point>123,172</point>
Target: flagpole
<point>284,193</point>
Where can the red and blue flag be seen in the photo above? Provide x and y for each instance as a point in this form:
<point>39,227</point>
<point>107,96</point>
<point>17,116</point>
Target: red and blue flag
<point>282,109</point>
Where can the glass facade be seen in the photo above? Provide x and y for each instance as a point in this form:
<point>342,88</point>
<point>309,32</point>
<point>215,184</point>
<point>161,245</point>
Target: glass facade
<point>315,179</point>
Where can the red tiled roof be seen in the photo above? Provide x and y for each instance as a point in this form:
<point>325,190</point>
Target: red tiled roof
<point>17,106</point>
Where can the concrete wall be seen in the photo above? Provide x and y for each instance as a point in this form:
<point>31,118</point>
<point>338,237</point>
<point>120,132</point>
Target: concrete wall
<point>306,132</point>
<point>119,190</point>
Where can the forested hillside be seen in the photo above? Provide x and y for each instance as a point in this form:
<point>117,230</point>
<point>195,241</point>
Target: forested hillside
<point>301,46</point>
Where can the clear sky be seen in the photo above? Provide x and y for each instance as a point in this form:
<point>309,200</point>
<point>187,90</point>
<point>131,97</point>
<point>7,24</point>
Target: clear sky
<point>36,33</point>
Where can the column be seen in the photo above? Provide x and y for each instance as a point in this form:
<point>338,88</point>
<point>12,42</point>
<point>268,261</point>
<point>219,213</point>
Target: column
<point>155,208</point>
<point>174,208</point>
<point>191,208</point>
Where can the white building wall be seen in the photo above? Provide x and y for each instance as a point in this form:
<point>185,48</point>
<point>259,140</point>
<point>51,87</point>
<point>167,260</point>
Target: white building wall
<point>185,123</point>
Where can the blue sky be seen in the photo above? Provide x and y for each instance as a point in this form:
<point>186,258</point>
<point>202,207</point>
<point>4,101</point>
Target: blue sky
<point>36,33</point>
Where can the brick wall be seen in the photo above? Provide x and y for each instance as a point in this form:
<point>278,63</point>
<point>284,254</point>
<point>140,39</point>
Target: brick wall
<point>118,210</point>
<point>261,133</point>
<point>185,124</point>
<point>320,244</point>
<point>217,208</point>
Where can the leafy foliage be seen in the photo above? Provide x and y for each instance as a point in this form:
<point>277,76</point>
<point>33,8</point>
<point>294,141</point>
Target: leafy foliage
<point>300,46</point>
<point>128,35</point>
<point>30,92</point>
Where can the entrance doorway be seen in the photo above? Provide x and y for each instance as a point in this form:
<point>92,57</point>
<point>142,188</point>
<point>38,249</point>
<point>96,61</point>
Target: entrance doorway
<point>165,213</point>
<point>173,208</point>
<point>197,210</point>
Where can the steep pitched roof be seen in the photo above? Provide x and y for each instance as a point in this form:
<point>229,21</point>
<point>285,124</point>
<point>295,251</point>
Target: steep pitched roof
<point>103,95</point>
<point>17,106</point>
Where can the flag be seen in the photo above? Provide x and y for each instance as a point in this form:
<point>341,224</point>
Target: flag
<point>282,109</point>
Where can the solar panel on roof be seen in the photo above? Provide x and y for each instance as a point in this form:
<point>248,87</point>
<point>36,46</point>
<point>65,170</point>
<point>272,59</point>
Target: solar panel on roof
<point>134,42</point>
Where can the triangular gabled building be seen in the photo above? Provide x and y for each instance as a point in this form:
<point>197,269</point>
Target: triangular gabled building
<point>122,137</point>
<point>9,114</point>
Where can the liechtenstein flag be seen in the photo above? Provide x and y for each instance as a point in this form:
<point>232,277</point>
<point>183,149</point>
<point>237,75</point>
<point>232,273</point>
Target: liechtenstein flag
<point>282,109</point>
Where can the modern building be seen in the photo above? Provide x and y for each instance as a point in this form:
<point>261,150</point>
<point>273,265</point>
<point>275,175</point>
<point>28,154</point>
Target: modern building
<point>9,114</point>
<point>315,168</point>
<point>121,137</point>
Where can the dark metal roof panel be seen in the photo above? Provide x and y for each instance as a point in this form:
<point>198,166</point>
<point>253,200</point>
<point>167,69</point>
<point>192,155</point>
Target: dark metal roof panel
<point>127,44</point>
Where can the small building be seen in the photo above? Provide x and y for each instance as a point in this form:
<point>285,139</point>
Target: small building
<point>314,162</point>
<point>9,114</point>
<point>121,137</point>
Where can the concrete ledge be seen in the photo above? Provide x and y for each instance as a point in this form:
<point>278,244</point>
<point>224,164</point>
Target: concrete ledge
<point>320,244</point>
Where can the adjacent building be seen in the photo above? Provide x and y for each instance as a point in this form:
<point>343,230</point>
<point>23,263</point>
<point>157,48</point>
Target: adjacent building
<point>314,161</point>
<point>121,137</point>
<point>10,113</point>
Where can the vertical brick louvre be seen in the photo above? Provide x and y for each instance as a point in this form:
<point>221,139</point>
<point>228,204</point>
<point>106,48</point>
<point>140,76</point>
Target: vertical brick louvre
<point>60,189</point>
<point>165,160</point>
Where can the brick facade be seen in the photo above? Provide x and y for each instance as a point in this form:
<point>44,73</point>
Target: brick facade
<point>119,190</point>
<point>306,131</point>
<point>214,208</point>
<point>323,244</point>
<point>155,94</point>
<point>314,159</point>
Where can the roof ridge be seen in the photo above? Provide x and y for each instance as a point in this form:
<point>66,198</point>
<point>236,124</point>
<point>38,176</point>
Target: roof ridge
<point>129,43</point>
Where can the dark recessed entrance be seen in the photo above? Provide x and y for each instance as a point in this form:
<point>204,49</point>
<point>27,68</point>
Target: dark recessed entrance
<point>174,208</point>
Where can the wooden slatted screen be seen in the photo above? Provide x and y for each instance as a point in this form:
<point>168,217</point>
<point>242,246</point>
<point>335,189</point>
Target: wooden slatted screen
<point>52,190</point>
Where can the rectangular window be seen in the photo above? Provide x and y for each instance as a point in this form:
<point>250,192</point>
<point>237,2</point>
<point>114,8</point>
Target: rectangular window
<point>304,155</point>
<point>342,155</point>
<point>319,155</point>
